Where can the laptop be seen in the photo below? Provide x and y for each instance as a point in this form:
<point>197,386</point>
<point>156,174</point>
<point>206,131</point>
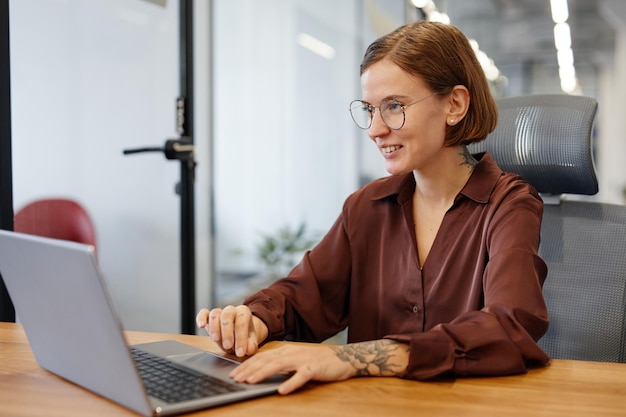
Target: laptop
<point>62,302</point>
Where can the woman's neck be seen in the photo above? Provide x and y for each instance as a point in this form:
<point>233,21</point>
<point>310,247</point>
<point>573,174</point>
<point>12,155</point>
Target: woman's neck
<point>442,182</point>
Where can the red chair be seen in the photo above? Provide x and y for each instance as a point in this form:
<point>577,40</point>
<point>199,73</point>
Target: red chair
<point>57,218</point>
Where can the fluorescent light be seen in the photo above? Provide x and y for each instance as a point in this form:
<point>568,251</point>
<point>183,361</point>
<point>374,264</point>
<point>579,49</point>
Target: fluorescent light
<point>419,3</point>
<point>567,72</point>
<point>568,79</point>
<point>562,36</point>
<point>439,17</point>
<point>316,46</point>
<point>560,12</point>
<point>563,43</point>
<point>565,57</point>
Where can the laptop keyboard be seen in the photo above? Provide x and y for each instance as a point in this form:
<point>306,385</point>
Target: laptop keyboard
<point>174,383</point>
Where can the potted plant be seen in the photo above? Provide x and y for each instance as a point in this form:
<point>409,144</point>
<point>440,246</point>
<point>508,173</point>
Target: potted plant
<point>280,251</point>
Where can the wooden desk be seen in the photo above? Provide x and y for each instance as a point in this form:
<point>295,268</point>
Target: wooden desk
<point>565,388</point>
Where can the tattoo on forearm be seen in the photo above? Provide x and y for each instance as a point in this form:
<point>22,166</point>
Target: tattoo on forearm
<point>372,358</point>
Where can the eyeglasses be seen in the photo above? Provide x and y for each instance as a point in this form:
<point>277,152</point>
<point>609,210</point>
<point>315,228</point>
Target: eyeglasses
<point>391,111</point>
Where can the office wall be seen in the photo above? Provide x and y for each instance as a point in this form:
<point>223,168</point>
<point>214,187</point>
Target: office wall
<point>89,79</point>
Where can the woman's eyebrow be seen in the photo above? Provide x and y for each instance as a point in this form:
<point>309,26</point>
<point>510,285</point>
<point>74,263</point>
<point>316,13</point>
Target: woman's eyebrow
<point>399,97</point>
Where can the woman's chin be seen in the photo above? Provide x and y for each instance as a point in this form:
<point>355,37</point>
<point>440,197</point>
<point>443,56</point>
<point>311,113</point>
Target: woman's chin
<point>394,169</point>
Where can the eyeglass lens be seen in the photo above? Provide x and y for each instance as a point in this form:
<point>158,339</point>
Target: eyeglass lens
<point>392,113</point>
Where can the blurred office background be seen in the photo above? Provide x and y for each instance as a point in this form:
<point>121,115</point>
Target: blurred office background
<point>275,146</point>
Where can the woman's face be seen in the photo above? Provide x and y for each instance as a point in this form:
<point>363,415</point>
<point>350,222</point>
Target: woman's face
<point>417,145</point>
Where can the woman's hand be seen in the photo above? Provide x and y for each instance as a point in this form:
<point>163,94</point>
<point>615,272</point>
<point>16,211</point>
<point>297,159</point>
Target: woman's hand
<point>234,329</point>
<point>321,362</point>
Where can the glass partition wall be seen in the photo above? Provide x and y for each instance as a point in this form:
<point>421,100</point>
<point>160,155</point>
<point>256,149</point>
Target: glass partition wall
<point>286,153</point>
<point>90,78</point>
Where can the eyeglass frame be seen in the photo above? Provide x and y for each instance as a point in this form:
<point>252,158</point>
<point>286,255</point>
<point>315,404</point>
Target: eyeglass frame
<point>372,110</point>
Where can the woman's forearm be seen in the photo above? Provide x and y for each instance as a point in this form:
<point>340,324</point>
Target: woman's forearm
<point>375,358</point>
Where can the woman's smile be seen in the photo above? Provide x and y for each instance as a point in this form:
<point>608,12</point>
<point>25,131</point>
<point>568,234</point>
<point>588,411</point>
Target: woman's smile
<point>388,150</point>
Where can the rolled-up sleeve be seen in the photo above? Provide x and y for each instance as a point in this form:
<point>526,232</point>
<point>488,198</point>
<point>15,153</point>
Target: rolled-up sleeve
<point>310,304</point>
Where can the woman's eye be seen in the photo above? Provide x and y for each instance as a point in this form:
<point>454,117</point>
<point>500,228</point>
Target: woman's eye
<point>394,106</point>
<point>364,107</point>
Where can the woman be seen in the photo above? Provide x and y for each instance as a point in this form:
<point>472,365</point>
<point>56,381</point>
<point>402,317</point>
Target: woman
<point>434,269</point>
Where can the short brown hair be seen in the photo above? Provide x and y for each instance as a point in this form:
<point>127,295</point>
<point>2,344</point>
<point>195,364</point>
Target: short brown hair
<point>442,56</point>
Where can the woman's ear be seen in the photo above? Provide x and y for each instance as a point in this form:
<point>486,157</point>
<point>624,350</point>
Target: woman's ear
<point>458,103</point>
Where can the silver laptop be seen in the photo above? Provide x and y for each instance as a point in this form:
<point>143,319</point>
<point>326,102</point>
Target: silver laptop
<point>62,302</point>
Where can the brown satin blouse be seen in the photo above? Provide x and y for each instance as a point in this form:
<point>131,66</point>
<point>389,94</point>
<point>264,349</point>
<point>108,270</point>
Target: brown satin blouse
<point>476,306</point>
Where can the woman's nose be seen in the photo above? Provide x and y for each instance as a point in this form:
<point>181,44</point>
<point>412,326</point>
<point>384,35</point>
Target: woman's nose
<point>378,127</point>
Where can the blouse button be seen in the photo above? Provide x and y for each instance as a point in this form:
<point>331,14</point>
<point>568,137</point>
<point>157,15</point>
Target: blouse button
<point>416,309</point>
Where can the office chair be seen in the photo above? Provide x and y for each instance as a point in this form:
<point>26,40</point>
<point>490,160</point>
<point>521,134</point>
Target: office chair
<point>547,140</point>
<point>58,218</point>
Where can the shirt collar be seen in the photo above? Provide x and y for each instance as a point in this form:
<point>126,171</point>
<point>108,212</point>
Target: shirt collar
<point>478,188</point>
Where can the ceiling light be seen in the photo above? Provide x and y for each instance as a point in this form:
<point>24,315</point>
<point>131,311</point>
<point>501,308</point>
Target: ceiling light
<point>439,17</point>
<point>562,36</point>
<point>565,57</point>
<point>568,79</point>
<point>419,3</point>
<point>316,46</point>
<point>560,12</point>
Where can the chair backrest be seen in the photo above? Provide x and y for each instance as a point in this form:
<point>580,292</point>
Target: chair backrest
<point>58,218</point>
<point>547,140</point>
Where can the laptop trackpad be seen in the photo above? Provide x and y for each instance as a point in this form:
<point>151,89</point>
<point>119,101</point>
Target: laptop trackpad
<point>207,363</point>
<point>212,364</point>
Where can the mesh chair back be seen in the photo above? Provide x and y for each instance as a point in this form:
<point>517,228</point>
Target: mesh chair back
<point>584,245</point>
<point>547,140</point>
